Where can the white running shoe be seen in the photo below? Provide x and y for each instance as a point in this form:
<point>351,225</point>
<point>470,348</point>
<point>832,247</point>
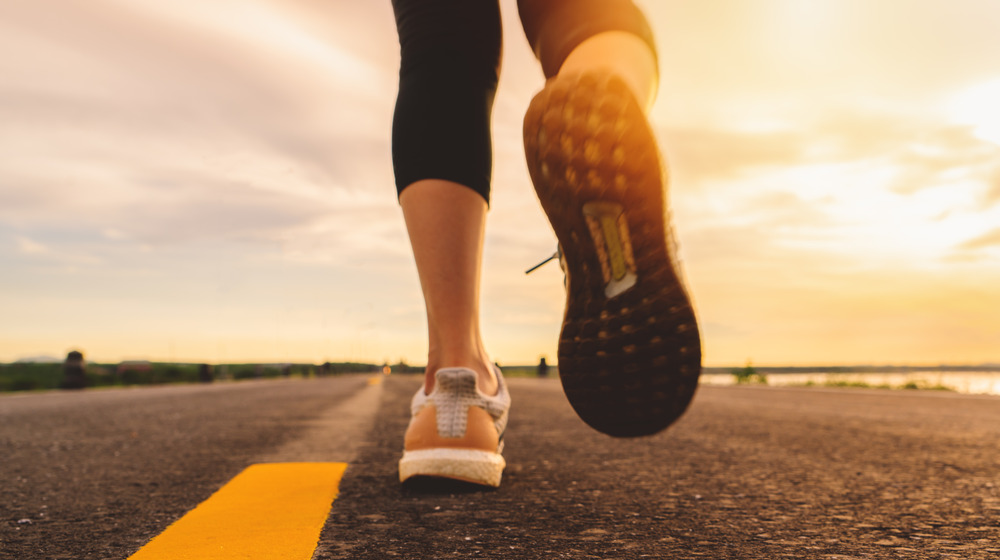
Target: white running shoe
<point>457,431</point>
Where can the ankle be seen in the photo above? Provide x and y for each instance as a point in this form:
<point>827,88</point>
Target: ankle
<point>486,379</point>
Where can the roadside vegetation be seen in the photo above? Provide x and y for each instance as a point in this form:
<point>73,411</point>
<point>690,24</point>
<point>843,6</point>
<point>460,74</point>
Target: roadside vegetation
<point>46,376</point>
<point>42,376</point>
<point>909,385</point>
<point>747,375</point>
<point>846,376</point>
<point>529,371</point>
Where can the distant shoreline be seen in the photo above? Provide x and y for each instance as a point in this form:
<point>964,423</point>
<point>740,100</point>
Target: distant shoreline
<point>778,370</point>
<point>989,367</point>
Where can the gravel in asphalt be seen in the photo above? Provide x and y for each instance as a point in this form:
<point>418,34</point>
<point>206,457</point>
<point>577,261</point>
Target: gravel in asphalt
<point>748,472</point>
<point>97,474</point>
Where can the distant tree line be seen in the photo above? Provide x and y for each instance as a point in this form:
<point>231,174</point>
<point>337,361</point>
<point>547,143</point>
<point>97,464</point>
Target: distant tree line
<point>75,373</point>
<point>859,369</point>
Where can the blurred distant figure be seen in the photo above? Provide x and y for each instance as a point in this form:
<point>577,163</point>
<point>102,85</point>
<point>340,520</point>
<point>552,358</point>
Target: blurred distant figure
<point>74,371</point>
<point>543,368</point>
<point>205,373</point>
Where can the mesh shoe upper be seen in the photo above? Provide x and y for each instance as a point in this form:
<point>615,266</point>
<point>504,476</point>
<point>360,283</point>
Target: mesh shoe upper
<point>454,393</point>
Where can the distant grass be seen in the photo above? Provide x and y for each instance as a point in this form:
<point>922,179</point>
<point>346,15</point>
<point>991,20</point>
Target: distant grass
<point>856,385</point>
<point>925,386</point>
<point>910,385</point>
<point>48,376</point>
<point>30,377</point>
<point>749,375</point>
<point>527,371</point>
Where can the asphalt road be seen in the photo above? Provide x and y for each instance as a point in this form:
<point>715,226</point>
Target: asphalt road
<point>748,472</point>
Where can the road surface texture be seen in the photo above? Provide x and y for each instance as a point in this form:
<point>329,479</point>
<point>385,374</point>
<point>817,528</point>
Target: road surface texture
<point>748,472</point>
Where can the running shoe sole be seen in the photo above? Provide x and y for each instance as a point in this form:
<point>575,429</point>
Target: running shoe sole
<point>468,465</point>
<point>629,349</point>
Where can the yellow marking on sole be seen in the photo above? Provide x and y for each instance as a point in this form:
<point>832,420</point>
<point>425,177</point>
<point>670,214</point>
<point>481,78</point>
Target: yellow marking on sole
<point>272,510</point>
<point>616,255</point>
<point>609,231</point>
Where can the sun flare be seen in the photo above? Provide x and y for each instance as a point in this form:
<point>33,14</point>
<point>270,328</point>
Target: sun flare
<point>978,107</point>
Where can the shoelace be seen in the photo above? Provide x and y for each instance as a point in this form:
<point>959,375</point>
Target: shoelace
<point>562,264</point>
<point>556,255</point>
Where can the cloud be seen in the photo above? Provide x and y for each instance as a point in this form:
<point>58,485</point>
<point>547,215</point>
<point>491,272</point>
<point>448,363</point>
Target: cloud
<point>987,240</point>
<point>44,252</point>
<point>172,123</point>
<point>28,247</point>
<point>851,190</point>
<point>847,135</point>
<point>235,154</point>
<point>722,63</point>
<point>367,232</point>
<point>204,211</point>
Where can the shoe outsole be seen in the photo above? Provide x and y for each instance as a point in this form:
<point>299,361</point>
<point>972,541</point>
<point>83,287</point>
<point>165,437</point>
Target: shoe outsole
<point>629,349</point>
<point>468,465</point>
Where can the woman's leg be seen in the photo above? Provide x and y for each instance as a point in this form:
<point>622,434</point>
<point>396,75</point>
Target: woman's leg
<point>448,73</point>
<point>557,29</point>
<point>442,158</point>
<point>629,349</point>
<point>446,222</point>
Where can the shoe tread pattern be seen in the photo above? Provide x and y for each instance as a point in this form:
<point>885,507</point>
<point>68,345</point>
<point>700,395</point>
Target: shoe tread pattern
<point>629,364</point>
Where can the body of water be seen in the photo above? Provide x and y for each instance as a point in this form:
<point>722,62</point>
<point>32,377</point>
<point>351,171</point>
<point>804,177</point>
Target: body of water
<point>971,382</point>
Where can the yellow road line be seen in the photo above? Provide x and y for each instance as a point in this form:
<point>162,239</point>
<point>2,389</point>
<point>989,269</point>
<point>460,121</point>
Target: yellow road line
<point>272,510</point>
<point>377,380</point>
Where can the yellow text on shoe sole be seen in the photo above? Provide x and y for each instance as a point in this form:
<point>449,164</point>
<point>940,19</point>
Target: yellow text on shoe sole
<point>272,510</point>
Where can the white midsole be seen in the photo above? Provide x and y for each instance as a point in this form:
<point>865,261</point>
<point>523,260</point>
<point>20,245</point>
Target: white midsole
<point>473,465</point>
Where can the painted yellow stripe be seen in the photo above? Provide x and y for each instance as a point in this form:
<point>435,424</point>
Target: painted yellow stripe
<point>377,380</point>
<point>273,511</point>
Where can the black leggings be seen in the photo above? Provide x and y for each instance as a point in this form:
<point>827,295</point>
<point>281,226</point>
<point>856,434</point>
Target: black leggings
<point>450,64</point>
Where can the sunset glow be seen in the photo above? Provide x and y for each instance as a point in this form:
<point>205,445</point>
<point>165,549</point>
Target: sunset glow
<point>212,182</point>
<point>978,107</point>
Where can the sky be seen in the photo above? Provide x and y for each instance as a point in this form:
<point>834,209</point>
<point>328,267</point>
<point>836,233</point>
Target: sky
<point>211,181</point>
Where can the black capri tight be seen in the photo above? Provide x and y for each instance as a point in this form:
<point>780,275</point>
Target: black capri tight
<point>449,68</point>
